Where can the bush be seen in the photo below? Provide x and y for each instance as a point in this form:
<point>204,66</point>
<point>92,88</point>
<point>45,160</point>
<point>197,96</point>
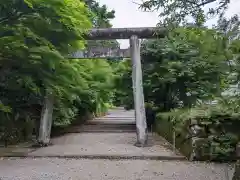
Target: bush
<point>207,132</point>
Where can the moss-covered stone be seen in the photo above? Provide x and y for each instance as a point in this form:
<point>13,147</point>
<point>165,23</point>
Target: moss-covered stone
<point>199,139</point>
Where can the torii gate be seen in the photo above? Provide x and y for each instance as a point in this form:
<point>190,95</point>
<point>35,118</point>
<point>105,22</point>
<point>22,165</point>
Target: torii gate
<point>133,34</point>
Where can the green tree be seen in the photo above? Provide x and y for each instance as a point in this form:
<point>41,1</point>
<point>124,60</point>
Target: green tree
<point>101,18</point>
<point>187,66</point>
<point>123,84</point>
<point>178,10</point>
<point>35,37</point>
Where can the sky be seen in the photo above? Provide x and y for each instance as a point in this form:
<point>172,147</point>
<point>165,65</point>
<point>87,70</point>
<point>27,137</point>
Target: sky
<point>128,15</point>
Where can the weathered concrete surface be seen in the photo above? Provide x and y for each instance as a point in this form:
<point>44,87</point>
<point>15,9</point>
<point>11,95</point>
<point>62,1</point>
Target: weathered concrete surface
<point>140,115</point>
<point>108,145</point>
<point>119,113</point>
<point>84,169</point>
<point>46,120</point>
<point>125,33</point>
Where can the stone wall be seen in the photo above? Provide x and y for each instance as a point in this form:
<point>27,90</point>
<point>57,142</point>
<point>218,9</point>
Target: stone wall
<point>165,128</point>
<point>191,140</point>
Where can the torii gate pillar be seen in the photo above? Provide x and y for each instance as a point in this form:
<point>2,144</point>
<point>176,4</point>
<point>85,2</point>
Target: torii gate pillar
<point>140,116</point>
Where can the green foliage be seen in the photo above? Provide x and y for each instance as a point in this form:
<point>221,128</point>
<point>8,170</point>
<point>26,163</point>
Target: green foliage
<point>101,16</point>
<point>91,92</point>
<point>187,66</point>
<point>35,38</point>
<point>123,95</point>
<point>101,19</point>
<point>177,11</point>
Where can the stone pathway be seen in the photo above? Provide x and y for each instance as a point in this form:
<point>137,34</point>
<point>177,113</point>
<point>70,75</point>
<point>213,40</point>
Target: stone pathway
<point>103,149</point>
<point>110,137</point>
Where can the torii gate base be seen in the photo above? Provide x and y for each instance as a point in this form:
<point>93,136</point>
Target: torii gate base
<point>105,34</point>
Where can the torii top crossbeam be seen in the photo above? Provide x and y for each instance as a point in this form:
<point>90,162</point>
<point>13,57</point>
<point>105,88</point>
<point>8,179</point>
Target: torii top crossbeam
<point>125,33</point>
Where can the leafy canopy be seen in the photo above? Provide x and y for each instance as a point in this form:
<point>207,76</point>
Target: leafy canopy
<point>176,11</point>
<point>35,37</point>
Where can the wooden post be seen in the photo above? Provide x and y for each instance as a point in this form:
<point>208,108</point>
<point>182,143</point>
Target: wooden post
<point>46,121</point>
<point>140,115</point>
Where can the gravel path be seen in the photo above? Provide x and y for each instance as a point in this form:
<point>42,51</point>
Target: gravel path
<point>83,169</point>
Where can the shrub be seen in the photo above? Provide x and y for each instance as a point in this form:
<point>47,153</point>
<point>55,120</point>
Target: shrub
<point>214,126</point>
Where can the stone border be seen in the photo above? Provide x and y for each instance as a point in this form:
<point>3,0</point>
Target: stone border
<point>108,157</point>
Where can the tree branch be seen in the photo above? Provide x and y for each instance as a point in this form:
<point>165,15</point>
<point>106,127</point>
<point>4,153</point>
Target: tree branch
<point>12,17</point>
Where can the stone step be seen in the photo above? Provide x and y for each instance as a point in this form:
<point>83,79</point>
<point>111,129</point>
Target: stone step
<point>108,127</point>
<point>116,117</point>
<point>120,120</point>
<point>86,130</point>
<point>111,122</point>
